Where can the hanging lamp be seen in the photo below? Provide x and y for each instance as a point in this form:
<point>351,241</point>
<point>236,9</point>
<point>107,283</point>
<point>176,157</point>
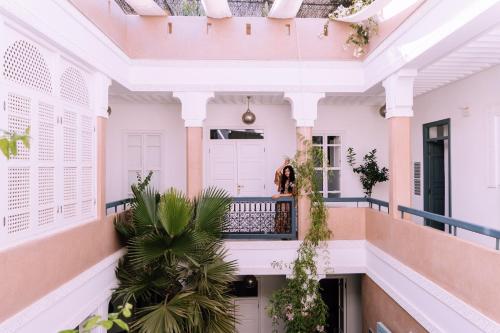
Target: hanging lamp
<point>248,117</point>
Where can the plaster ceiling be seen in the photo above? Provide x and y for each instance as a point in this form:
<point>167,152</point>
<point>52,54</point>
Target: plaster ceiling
<point>475,56</point>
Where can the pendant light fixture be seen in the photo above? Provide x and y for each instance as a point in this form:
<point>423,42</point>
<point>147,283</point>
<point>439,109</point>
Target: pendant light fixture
<point>248,117</point>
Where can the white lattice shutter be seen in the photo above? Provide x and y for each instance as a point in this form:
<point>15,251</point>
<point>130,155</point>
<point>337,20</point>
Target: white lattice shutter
<point>54,181</point>
<point>46,170</point>
<point>27,186</point>
<point>79,147</point>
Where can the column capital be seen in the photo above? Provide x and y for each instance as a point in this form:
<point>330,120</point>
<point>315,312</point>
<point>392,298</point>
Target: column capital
<point>101,89</point>
<point>193,106</point>
<point>304,107</point>
<point>399,93</point>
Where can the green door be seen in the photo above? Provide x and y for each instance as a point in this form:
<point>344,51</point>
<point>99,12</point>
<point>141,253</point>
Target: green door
<point>436,182</point>
<point>437,170</point>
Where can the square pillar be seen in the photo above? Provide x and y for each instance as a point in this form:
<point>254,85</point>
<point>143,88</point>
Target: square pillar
<point>101,126</point>
<point>399,106</point>
<point>101,90</point>
<point>304,111</point>
<point>194,112</point>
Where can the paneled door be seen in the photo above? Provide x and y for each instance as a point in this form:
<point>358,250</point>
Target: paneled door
<point>247,312</point>
<point>238,167</point>
<point>143,154</point>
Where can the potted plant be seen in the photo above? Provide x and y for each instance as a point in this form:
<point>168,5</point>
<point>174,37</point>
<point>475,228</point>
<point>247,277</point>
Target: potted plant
<point>369,172</point>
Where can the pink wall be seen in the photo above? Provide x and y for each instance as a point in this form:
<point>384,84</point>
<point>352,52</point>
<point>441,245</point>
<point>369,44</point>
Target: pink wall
<point>225,39</point>
<point>378,306</point>
<point>33,269</point>
<point>347,223</point>
<point>467,270</point>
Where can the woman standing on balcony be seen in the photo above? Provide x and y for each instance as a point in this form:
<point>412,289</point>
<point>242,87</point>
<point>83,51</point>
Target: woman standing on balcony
<point>286,188</point>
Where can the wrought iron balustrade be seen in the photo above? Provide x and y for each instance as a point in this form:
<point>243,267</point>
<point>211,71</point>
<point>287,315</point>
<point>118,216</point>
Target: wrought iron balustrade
<point>262,218</point>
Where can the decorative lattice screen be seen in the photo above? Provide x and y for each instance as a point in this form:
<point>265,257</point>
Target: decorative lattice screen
<point>52,184</point>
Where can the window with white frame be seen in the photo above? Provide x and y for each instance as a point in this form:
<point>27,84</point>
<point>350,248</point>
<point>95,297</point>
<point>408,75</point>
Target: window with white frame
<point>328,170</point>
<point>143,154</point>
<point>51,184</point>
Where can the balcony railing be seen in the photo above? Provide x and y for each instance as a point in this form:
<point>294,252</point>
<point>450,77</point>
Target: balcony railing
<point>371,201</point>
<point>454,224</point>
<point>262,218</point>
<point>124,204</point>
<point>250,217</point>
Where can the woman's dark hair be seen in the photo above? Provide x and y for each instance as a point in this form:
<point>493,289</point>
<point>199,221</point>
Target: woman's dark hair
<point>291,181</point>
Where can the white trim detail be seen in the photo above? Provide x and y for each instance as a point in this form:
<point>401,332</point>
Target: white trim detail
<point>194,107</point>
<point>70,304</point>
<point>340,257</point>
<point>433,307</point>
<point>399,94</point>
<point>304,107</point>
<point>216,8</point>
<point>146,7</point>
<point>285,9</point>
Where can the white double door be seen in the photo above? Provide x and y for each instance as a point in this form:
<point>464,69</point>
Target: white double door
<point>238,166</point>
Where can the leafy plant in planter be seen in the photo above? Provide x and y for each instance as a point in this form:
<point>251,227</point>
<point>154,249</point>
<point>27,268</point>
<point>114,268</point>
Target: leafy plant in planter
<point>370,173</point>
<point>174,272</point>
<point>299,304</point>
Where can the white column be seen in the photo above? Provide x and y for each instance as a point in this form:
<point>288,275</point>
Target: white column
<point>304,111</point>
<point>194,112</point>
<point>399,110</point>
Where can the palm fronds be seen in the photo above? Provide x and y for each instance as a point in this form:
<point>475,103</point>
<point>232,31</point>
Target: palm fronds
<point>175,273</point>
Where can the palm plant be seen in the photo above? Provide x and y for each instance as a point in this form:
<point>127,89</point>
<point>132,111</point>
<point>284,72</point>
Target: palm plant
<point>175,273</point>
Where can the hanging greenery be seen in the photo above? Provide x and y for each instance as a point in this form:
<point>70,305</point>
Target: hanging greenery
<point>360,35</point>
<point>8,142</point>
<point>369,172</point>
<point>299,304</point>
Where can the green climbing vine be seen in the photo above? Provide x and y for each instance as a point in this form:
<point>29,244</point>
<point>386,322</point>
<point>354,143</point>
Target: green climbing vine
<point>299,304</point>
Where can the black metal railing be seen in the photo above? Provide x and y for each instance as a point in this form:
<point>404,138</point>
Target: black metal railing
<point>262,218</point>
<point>115,204</point>
<point>358,200</point>
<point>453,224</point>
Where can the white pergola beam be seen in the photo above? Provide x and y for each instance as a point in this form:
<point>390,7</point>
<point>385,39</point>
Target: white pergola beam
<point>216,8</point>
<point>146,8</point>
<point>285,9</point>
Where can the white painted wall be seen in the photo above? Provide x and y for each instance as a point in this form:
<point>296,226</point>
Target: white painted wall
<point>474,196</point>
<point>275,120</point>
<point>165,118</point>
<point>353,306</point>
<point>362,128</point>
<point>267,285</point>
<point>351,122</point>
